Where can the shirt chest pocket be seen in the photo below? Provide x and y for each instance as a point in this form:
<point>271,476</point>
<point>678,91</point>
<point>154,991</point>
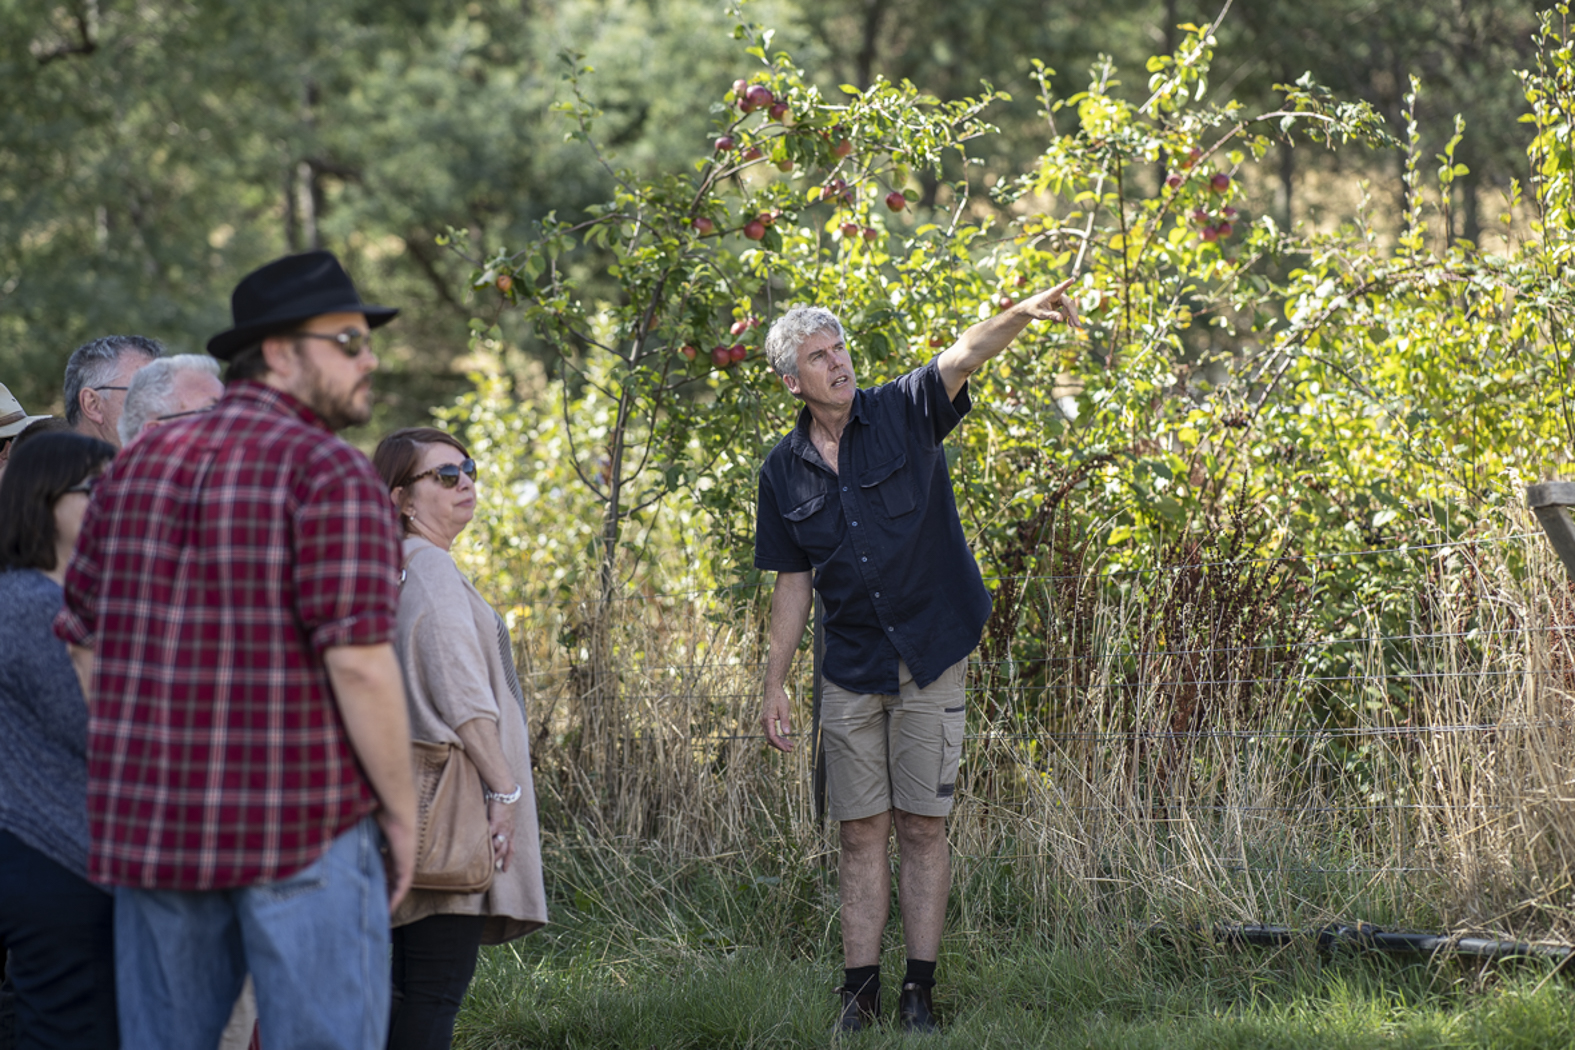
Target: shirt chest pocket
<point>815,526</point>
<point>892,482</point>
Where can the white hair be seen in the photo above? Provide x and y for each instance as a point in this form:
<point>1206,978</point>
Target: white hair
<point>152,390</point>
<point>790,331</point>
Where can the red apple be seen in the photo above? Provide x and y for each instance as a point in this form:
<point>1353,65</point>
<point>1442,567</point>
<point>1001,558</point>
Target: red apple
<point>937,341</point>
<point>1223,229</point>
<point>785,165</point>
<point>1199,215</point>
<point>1229,213</point>
<point>850,229</point>
<point>688,351</point>
<point>1193,156</point>
<point>769,218</point>
<point>778,111</point>
<point>842,148</point>
<point>896,201</point>
<point>737,352</point>
<point>759,96</point>
<point>754,229</point>
<point>703,226</point>
<point>724,143</point>
<point>1022,281</point>
<point>1210,234</point>
<point>1007,302</point>
<point>870,233</point>
<point>740,87</point>
<point>505,282</point>
<point>753,153</point>
<point>721,356</point>
<point>743,325</point>
<point>1220,182</point>
<point>1173,179</point>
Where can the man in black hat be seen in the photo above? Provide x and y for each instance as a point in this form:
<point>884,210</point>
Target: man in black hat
<point>231,605</point>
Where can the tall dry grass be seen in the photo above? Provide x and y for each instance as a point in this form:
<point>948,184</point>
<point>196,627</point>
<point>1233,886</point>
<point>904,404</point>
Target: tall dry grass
<point>1188,749</point>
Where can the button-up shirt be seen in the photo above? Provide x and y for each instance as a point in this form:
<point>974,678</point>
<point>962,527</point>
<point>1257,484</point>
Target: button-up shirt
<point>881,534</point>
<point>219,558</point>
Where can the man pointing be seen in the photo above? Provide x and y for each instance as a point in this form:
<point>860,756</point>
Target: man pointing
<point>856,503</point>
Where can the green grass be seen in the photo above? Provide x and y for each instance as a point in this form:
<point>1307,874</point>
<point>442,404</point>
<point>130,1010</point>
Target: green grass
<point>702,957</point>
<point>1008,998</point>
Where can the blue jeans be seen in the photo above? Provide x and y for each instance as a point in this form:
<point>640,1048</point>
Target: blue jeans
<point>316,944</point>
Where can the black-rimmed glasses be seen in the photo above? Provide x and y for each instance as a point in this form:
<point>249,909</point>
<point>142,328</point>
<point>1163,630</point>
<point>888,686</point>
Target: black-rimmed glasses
<point>447,474</point>
<point>109,388</point>
<point>351,342</point>
<point>182,415</point>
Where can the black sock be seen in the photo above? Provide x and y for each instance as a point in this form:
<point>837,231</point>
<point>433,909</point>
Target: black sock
<point>920,973</point>
<point>858,979</point>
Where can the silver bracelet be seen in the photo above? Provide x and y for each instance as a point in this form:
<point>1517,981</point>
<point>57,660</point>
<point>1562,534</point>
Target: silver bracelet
<point>508,800</point>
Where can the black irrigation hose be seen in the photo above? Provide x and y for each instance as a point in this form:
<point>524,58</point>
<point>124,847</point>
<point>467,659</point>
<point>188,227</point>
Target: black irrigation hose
<point>1366,937</point>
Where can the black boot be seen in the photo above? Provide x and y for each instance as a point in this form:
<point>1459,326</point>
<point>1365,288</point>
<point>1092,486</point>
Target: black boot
<point>915,1011</point>
<point>860,1010</point>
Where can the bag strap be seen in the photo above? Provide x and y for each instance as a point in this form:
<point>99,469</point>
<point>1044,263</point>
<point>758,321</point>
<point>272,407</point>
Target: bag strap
<point>404,567</point>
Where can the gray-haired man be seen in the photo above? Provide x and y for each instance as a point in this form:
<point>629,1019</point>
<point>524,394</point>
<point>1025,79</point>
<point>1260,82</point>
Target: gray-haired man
<point>97,376</point>
<point>170,388</point>
<point>856,503</point>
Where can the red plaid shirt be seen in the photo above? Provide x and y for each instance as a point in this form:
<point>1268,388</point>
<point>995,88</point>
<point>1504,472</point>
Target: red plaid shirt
<point>218,560</point>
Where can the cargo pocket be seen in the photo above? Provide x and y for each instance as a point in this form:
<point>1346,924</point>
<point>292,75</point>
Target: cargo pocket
<point>953,722</point>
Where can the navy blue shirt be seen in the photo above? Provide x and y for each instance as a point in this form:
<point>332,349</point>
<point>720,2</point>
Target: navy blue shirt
<point>881,533</point>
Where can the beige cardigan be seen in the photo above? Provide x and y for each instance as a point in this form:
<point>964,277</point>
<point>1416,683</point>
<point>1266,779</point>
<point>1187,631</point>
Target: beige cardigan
<point>450,642</point>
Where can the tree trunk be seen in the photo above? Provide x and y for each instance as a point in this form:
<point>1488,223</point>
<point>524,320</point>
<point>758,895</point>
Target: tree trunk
<point>1470,210</point>
<point>307,198</point>
<point>1282,201</point>
<point>602,735</point>
<point>864,61</point>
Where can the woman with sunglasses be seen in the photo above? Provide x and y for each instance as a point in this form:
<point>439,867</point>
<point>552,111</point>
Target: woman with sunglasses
<point>57,926</point>
<point>461,688</point>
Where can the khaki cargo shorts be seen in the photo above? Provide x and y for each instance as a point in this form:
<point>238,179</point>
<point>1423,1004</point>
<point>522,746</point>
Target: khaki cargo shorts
<point>893,752</point>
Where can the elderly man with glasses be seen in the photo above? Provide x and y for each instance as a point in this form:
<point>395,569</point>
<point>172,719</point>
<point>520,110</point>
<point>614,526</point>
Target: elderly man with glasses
<point>97,377</point>
<point>231,608</point>
<point>170,388</point>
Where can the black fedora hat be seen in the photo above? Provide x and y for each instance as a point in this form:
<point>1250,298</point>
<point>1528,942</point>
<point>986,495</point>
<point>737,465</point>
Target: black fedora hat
<point>287,291</point>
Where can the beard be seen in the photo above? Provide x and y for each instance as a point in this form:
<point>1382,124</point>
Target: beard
<point>336,408</point>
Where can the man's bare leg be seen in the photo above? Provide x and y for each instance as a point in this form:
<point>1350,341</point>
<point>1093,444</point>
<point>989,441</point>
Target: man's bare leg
<point>923,882</point>
<point>864,885</point>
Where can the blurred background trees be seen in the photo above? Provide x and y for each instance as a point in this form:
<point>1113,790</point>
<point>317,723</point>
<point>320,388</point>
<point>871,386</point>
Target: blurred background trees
<point>153,151</point>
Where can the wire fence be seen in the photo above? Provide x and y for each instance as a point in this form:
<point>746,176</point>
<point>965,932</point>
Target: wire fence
<point>1410,754</point>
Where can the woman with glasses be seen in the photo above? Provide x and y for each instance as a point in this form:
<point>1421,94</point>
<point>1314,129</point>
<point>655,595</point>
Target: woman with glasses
<point>461,687</point>
<point>57,926</point>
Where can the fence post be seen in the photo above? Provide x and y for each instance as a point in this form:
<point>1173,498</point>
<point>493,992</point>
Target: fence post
<point>817,754</point>
<point>1548,501</point>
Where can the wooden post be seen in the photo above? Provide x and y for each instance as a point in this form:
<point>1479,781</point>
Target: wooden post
<point>817,754</point>
<point>1550,501</point>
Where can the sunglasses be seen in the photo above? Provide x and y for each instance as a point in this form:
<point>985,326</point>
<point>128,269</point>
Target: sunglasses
<point>351,342</point>
<point>448,474</point>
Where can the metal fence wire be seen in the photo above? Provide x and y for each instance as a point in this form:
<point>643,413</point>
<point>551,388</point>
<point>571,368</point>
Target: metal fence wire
<point>1419,738</point>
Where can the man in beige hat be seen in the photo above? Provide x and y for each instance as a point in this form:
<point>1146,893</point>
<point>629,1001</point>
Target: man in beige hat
<point>13,420</point>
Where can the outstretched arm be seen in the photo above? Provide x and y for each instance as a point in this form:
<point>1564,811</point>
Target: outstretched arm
<point>790,603</point>
<point>994,334</point>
